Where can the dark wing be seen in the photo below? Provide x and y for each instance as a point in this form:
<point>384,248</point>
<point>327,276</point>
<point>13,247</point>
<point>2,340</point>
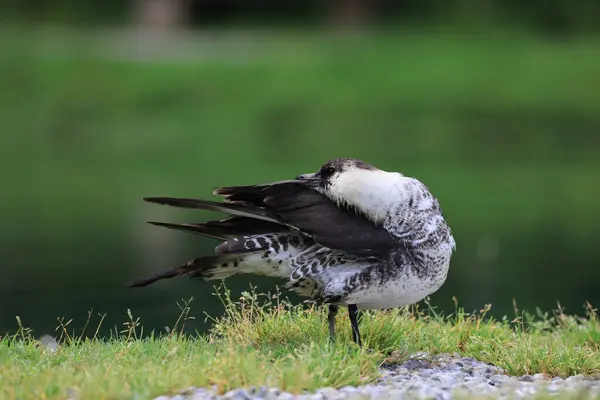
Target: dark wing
<point>314,214</point>
<point>232,227</point>
<point>241,210</point>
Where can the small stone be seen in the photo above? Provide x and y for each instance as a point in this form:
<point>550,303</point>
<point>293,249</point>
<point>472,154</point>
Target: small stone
<point>272,393</point>
<point>575,378</point>
<point>260,391</point>
<point>238,394</point>
<point>327,391</point>
<point>285,396</point>
<point>526,378</point>
<point>396,393</point>
<point>500,378</point>
<point>203,394</point>
<point>482,372</point>
<point>447,380</point>
<point>539,377</point>
<point>356,396</point>
<point>416,364</point>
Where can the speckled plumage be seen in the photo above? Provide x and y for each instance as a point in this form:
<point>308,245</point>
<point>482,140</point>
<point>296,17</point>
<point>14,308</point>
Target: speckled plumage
<point>348,235</point>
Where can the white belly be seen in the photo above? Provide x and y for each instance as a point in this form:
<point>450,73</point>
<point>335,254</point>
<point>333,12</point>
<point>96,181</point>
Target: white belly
<point>404,290</point>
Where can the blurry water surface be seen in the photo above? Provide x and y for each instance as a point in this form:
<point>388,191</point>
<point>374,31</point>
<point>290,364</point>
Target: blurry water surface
<point>503,128</point>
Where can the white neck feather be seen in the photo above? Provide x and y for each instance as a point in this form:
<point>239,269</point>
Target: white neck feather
<point>402,205</point>
<point>373,192</point>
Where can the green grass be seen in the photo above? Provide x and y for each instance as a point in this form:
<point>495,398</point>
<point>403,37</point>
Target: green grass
<point>263,340</point>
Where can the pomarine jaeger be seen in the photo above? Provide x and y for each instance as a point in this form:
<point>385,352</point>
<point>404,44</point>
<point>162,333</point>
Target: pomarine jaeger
<point>348,235</point>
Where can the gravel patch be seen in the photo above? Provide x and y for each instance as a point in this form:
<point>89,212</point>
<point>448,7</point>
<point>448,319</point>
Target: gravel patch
<point>439,377</point>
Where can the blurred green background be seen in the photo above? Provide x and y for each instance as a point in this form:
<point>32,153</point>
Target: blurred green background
<point>495,105</point>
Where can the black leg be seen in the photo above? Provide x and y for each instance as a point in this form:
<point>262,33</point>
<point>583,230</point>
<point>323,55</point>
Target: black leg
<point>352,312</point>
<point>333,310</point>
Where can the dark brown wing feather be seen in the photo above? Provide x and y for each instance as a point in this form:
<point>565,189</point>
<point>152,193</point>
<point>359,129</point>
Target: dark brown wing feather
<point>253,194</point>
<point>315,215</point>
<point>228,228</point>
<point>241,210</point>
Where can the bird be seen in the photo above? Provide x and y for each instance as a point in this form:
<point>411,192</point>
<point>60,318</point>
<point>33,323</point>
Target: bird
<point>348,235</point>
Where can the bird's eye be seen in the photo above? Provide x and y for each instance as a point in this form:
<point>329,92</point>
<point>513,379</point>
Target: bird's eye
<point>327,171</point>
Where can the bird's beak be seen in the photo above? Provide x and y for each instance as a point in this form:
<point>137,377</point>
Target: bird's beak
<point>306,177</point>
<point>310,179</point>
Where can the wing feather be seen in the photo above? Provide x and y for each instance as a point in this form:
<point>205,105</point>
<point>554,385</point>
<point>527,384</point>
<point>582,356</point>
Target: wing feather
<point>231,227</point>
<point>316,215</point>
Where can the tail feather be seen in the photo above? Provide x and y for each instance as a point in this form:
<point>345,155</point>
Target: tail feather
<point>250,236</point>
<point>241,210</point>
<point>149,279</point>
<point>201,267</point>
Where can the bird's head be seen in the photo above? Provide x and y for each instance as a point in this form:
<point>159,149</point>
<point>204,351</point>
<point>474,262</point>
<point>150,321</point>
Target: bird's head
<point>335,169</point>
<point>352,182</point>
